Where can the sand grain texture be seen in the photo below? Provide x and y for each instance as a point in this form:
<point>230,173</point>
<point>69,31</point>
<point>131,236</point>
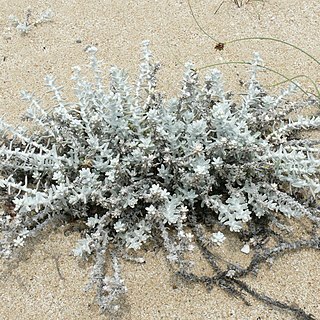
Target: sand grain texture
<point>35,289</point>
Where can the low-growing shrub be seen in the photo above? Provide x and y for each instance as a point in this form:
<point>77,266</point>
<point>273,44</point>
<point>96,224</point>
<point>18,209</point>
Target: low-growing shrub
<point>135,167</point>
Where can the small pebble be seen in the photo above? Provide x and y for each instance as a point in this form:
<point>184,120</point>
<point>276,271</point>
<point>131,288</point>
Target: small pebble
<point>245,249</point>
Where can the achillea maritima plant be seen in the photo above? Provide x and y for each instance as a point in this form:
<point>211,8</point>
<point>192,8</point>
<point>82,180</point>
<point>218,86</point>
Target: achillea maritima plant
<point>136,167</point>
<point>25,26</point>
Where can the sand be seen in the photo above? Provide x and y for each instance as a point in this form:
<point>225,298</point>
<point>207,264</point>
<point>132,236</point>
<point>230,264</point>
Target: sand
<point>49,282</point>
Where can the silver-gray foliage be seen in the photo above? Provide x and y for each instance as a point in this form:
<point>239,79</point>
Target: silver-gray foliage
<point>135,166</point>
<point>25,26</point>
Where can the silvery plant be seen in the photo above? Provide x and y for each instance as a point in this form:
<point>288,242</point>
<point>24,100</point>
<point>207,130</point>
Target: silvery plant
<point>24,27</point>
<point>136,168</point>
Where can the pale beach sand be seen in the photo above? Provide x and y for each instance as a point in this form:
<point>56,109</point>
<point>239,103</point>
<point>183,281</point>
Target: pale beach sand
<point>35,289</point>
